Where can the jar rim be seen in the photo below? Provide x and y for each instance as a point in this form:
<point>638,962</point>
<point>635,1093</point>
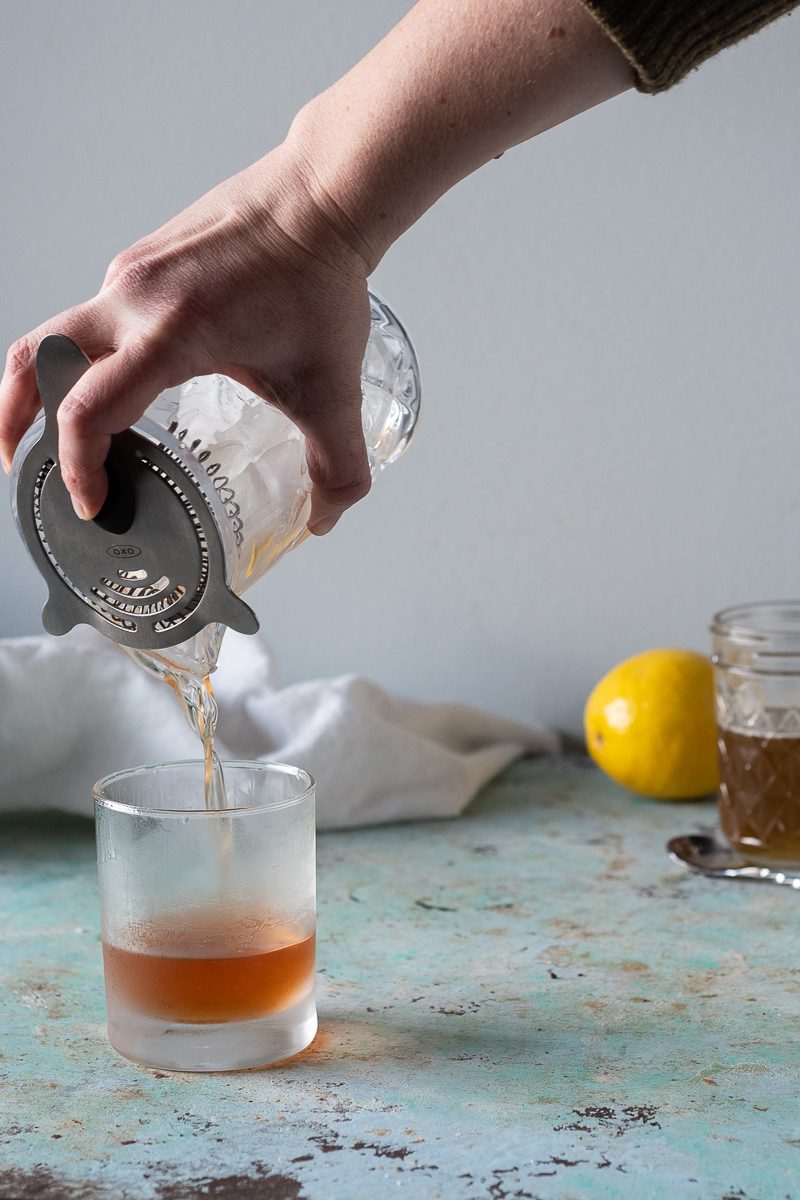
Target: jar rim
<point>764,621</point>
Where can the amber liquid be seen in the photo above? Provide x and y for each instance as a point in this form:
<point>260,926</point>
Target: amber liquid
<point>759,796</point>
<point>200,705</point>
<point>190,680</point>
<point>206,969</point>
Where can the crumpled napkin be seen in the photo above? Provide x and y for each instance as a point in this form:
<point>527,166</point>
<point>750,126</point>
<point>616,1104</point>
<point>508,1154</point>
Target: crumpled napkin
<point>75,708</point>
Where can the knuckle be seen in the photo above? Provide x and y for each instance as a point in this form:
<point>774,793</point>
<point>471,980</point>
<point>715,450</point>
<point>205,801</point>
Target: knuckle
<point>118,264</point>
<point>145,356</point>
<point>127,257</point>
<point>71,475</point>
<point>82,318</point>
<point>21,355</point>
<point>361,488</point>
<point>136,272</point>
<point>120,260</point>
<point>345,478</point>
<point>137,352</point>
<point>351,492</point>
<point>76,416</point>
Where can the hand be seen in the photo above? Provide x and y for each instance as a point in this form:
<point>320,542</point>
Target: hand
<point>256,280</point>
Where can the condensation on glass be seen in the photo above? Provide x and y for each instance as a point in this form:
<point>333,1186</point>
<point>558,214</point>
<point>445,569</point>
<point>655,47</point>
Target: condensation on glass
<point>208,916</point>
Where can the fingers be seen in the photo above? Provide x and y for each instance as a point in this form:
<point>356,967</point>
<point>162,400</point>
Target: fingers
<point>19,399</point>
<point>107,399</point>
<point>19,396</point>
<point>329,462</point>
<point>335,450</point>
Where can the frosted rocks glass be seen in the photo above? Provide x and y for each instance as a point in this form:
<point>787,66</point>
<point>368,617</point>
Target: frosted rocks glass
<point>208,916</point>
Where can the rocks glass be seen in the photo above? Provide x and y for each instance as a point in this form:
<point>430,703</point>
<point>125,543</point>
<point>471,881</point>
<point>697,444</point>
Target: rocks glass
<point>208,916</point>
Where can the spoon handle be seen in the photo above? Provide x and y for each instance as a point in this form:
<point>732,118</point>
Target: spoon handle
<point>753,873</point>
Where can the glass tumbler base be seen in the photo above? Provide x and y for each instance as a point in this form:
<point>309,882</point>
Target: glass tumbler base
<point>230,1046</point>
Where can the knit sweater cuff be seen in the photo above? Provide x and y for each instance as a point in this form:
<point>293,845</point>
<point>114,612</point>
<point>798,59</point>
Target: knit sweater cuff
<point>665,39</point>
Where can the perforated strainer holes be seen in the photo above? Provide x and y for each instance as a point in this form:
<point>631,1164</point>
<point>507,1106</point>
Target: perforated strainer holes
<point>137,593</point>
<point>170,622</point>
<point>186,611</point>
<point>132,574</point>
<point>112,618</point>
<point>184,499</point>
<point>39,483</point>
<point>221,483</point>
<point>142,610</point>
<point>181,435</point>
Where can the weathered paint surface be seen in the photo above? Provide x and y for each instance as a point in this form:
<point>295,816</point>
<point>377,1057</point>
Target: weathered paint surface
<point>530,1002</point>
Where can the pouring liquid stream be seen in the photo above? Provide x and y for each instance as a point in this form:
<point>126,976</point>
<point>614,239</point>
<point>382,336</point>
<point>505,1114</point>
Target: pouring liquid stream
<point>189,677</point>
<point>187,668</point>
<point>187,671</point>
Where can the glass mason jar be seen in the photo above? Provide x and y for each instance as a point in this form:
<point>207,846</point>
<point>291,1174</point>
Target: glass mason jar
<point>251,457</point>
<point>208,916</point>
<point>756,657</point>
<point>252,461</point>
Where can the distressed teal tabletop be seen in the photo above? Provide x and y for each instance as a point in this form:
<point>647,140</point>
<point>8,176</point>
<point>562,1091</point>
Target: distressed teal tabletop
<point>529,1002</point>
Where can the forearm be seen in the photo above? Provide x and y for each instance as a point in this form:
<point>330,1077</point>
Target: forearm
<point>454,84</point>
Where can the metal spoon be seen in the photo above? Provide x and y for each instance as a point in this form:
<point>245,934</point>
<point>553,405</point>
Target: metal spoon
<point>707,856</point>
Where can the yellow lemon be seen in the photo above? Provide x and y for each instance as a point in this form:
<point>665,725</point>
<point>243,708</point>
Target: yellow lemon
<point>649,724</point>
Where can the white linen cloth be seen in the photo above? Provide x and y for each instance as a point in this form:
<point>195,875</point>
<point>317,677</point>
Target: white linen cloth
<point>75,708</point>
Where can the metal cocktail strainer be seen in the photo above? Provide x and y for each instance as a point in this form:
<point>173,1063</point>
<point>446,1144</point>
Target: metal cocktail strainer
<point>149,571</point>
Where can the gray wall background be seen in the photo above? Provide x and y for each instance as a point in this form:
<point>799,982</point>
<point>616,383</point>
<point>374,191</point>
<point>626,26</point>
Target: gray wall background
<point>606,319</point>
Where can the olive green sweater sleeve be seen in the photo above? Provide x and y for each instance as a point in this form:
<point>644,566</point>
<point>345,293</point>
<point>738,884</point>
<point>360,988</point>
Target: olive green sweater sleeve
<point>664,39</point>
